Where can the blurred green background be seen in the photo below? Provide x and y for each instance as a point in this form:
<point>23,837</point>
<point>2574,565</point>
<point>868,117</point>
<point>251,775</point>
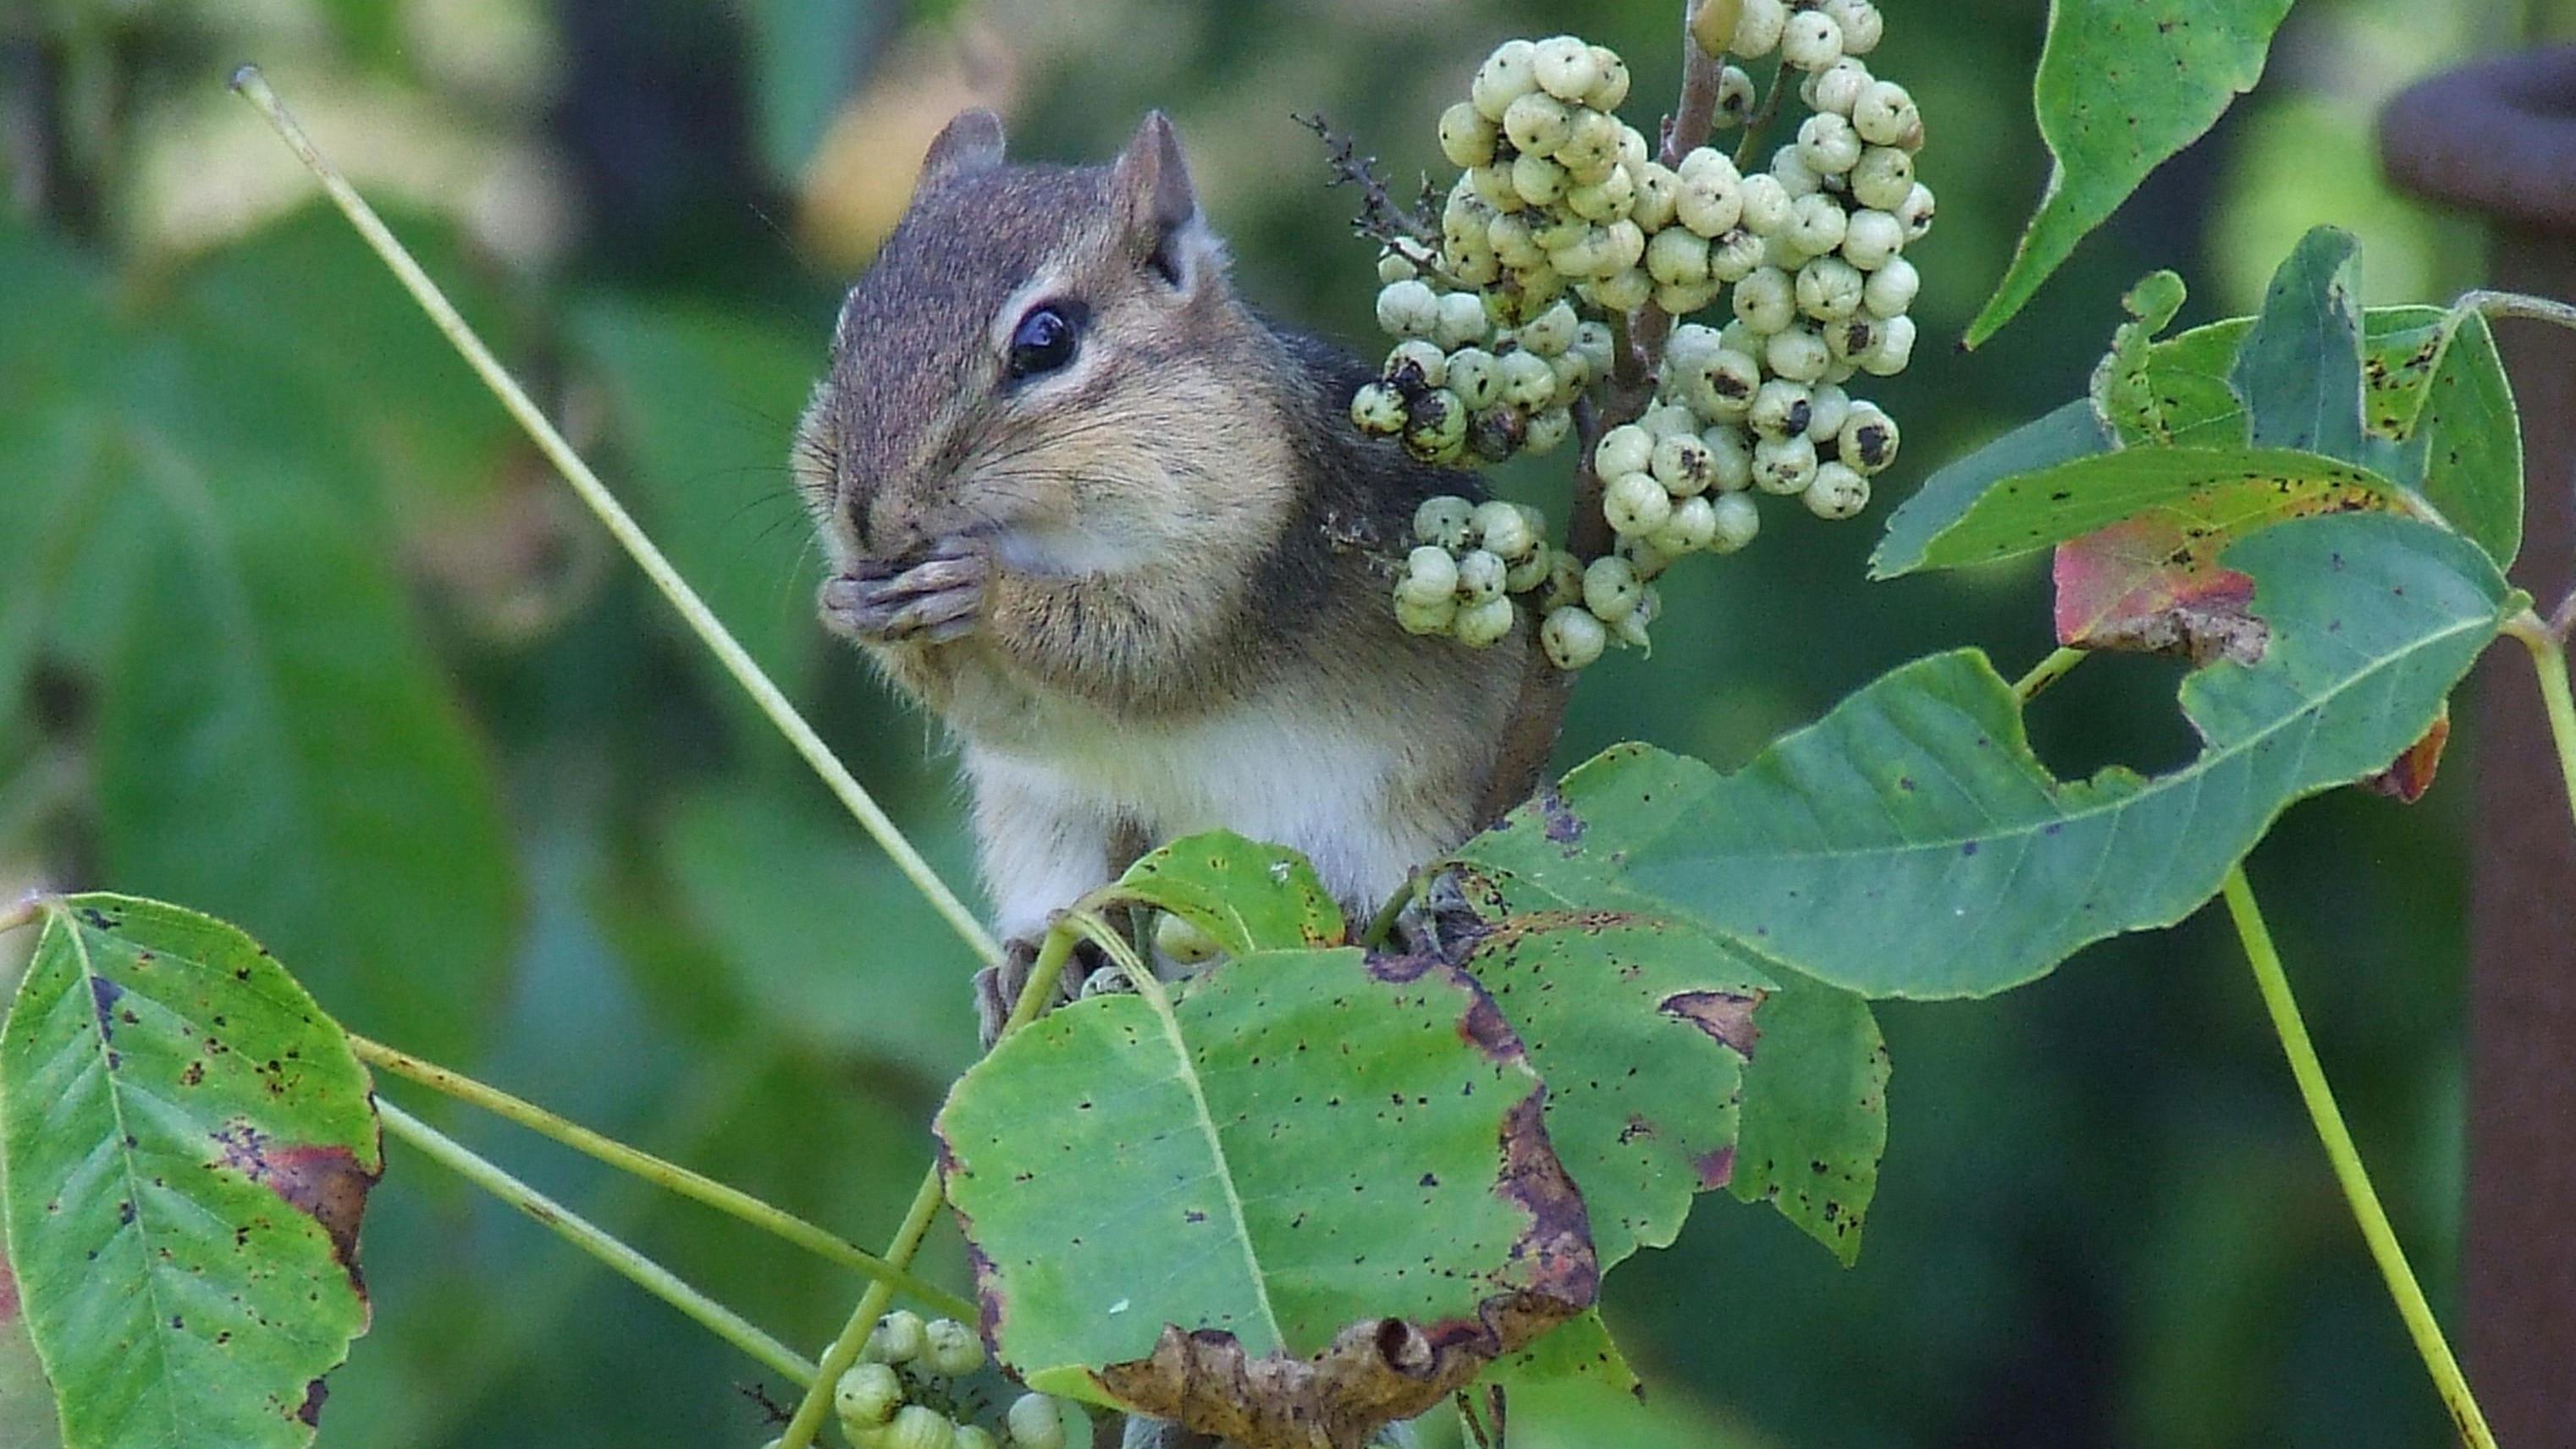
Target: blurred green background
<point>295,629</point>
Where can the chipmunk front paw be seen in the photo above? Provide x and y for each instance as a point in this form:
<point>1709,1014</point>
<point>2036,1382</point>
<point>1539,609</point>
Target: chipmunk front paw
<point>929,598</point>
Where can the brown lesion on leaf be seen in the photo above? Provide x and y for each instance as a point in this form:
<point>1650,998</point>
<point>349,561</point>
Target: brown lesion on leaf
<point>1716,1167</point>
<point>1727,1016</point>
<point>324,1181</point>
<point>2411,774</point>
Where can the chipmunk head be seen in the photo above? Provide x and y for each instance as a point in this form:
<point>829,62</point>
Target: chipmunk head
<point>1049,359</point>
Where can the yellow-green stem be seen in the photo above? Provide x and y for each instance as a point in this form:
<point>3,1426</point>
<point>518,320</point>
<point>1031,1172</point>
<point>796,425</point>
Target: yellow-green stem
<point>924,1211</point>
<point>620,524</point>
<point>2549,661</point>
<point>20,913</point>
<point>2046,672</point>
<point>2354,1178</point>
<point>652,1277</point>
<point>662,1173</point>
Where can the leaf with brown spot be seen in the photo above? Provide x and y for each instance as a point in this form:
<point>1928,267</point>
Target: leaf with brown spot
<point>1310,1194</point>
<point>2406,779</point>
<point>1247,895</point>
<point>186,1254</point>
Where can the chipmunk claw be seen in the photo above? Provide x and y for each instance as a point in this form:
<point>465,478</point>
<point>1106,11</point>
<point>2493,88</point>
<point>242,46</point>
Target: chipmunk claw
<point>930,598</point>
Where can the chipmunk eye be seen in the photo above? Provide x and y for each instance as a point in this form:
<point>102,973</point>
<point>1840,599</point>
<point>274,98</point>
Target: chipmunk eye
<point>1042,342</point>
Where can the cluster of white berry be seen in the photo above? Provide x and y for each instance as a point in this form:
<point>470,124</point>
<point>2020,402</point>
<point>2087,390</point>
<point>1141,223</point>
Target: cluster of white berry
<point>1470,560</point>
<point>1563,213</point>
<point>900,1394</point>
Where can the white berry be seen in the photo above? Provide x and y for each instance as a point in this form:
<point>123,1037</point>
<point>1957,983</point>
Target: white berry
<point>1611,587</point>
<point>1505,530</point>
<point>898,1338</point>
<point>1635,503</point>
<point>1784,465</point>
<point>1836,88</point>
<point>1035,1422</point>
<point>867,1396</point>
<point>1872,238</point>
<point>1506,76</point>
<point>1882,178</point>
<point>1836,491</point>
<point>1893,352</point>
<point>1572,637</point>
<point>1767,300</point>
<point>1408,308</point>
<point>1811,41</point>
<point>953,1350</point>
<point>1758,28</point>
<point>1780,408</point>
<point>1862,24</point>
<point>1828,144</point>
<point>1890,290</point>
<point>1737,522</point>
<point>1829,289</point>
<point>1766,203</point>
<point>1485,624</point>
<point>1867,440</point>
<point>1916,212</point>
<point>1565,67</point>
<point>1682,465</point>
<point>1828,407</point>
<point>1467,135</point>
<point>1691,529</point>
<point>1730,457</point>
<point>1377,408</point>
<point>1797,353</point>
<point>1885,115</point>
<point>1627,448</point>
<point>1444,521</point>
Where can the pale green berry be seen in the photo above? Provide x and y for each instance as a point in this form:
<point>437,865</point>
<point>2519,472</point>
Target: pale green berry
<point>1894,351</point>
<point>1467,136</point>
<point>1476,376</point>
<point>1530,570</point>
<point>1564,580</point>
<point>1885,115</point>
<point>918,1426</point>
<point>1572,638</point>
<point>1735,336</point>
<point>1635,503</point>
<point>1862,24</point>
<point>1514,241</point>
<point>1477,270</point>
<point>1435,427</point>
<point>1836,491</point>
<point>1916,212</point>
<point>1883,178</point>
<point>1611,587</point>
<point>1183,940</point>
<point>1506,76</point>
<point>1677,257</point>
<point>1767,300</point>
<point>1737,522</point>
<point>1631,631</point>
<point>1627,244</point>
<point>1836,88</point>
<point>1551,332</point>
<point>1591,149</point>
<point>898,1338</point>
<point>1528,381</point>
<point>1624,291</point>
<point>1829,289</point>
<point>1872,238</point>
<point>1692,527</point>
<point>1828,144</point>
<point>1799,354</point>
<point>1493,186</point>
<point>1811,41</point>
<point>1766,202</point>
<point>1854,338</point>
<point>1626,448</point>
<point>1579,248</point>
<point>1890,290</point>
<point>1733,257</point>
<point>1495,433</point>
<point>1462,320</point>
<point>1758,28</point>
<point>1784,465</point>
<point>1538,124</point>
<point>1736,97</point>
<point>1828,407</point>
<point>1378,408</point>
<point>1795,176</point>
<point>1548,429</point>
<point>1722,388</point>
<point>1427,618</point>
<point>1657,191</point>
<point>1867,440</point>
<point>1504,530</point>
<point>1612,198</point>
<point>1688,345</point>
<point>1430,572</point>
<point>1565,67</point>
<point>1408,308</point>
<point>1573,375</point>
<point>1444,521</point>
<point>1036,1421</point>
<point>867,1396</point>
<point>953,1350</point>
<point>1780,407</point>
<point>1395,266</point>
<point>1612,86</point>
<point>1730,457</point>
<point>1843,370</point>
<point>1666,418</point>
<point>974,1436</point>
<point>1817,224</point>
<point>1682,465</point>
<point>1480,575</point>
<point>1483,625</point>
<point>1416,363</point>
<point>1681,301</point>
<point>1594,340</point>
<point>1538,180</point>
<point>1781,249</point>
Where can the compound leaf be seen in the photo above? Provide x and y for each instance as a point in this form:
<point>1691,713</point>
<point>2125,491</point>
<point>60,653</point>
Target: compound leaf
<point>189,1146</point>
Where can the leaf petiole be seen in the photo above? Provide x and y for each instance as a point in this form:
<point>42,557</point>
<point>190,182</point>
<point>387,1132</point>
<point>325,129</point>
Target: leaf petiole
<point>2046,672</point>
<point>2348,1169</point>
<point>2549,661</point>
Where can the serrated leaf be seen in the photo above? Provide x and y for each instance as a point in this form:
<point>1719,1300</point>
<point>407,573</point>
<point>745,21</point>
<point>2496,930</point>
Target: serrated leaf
<point>2123,85</point>
<point>189,1146</point>
<point>2299,367</point>
<point>1248,896</point>
<point>2030,511</point>
<point>1314,1190</point>
<point>2070,433</point>
<point>1915,812</point>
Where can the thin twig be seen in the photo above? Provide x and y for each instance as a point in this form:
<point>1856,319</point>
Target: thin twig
<point>2327,1118</point>
<point>2549,662</point>
<point>1382,218</point>
<point>711,631</point>
<point>2517,304</point>
<point>2046,672</point>
<point>652,1277</point>
<point>671,1176</point>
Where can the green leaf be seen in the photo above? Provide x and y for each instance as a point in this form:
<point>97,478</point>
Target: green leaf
<point>1231,1207</point>
<point>2442,388</point>
<point>189,1146</point>
<point>1574,1390</point>
<point>1815,1112</point>
<point>2123,85</point>
<point>2299,368</point>
<point>1910,844</point>
<point>2063,436</point>
<point>1246,895</point>
<point>27,1418</point>
<point>2122,393</point>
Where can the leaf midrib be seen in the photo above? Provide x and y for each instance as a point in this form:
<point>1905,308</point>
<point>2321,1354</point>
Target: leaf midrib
<point>1159,999</point>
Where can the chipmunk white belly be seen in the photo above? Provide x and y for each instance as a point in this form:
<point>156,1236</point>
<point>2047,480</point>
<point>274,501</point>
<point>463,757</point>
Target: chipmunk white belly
<point>1268,770</point>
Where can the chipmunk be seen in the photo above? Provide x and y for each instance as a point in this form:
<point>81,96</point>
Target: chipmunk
<point>1115,528</point>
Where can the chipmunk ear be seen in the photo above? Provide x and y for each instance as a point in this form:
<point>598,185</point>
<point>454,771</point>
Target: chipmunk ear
<point>1156,203</point>
<point>970,143</point>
